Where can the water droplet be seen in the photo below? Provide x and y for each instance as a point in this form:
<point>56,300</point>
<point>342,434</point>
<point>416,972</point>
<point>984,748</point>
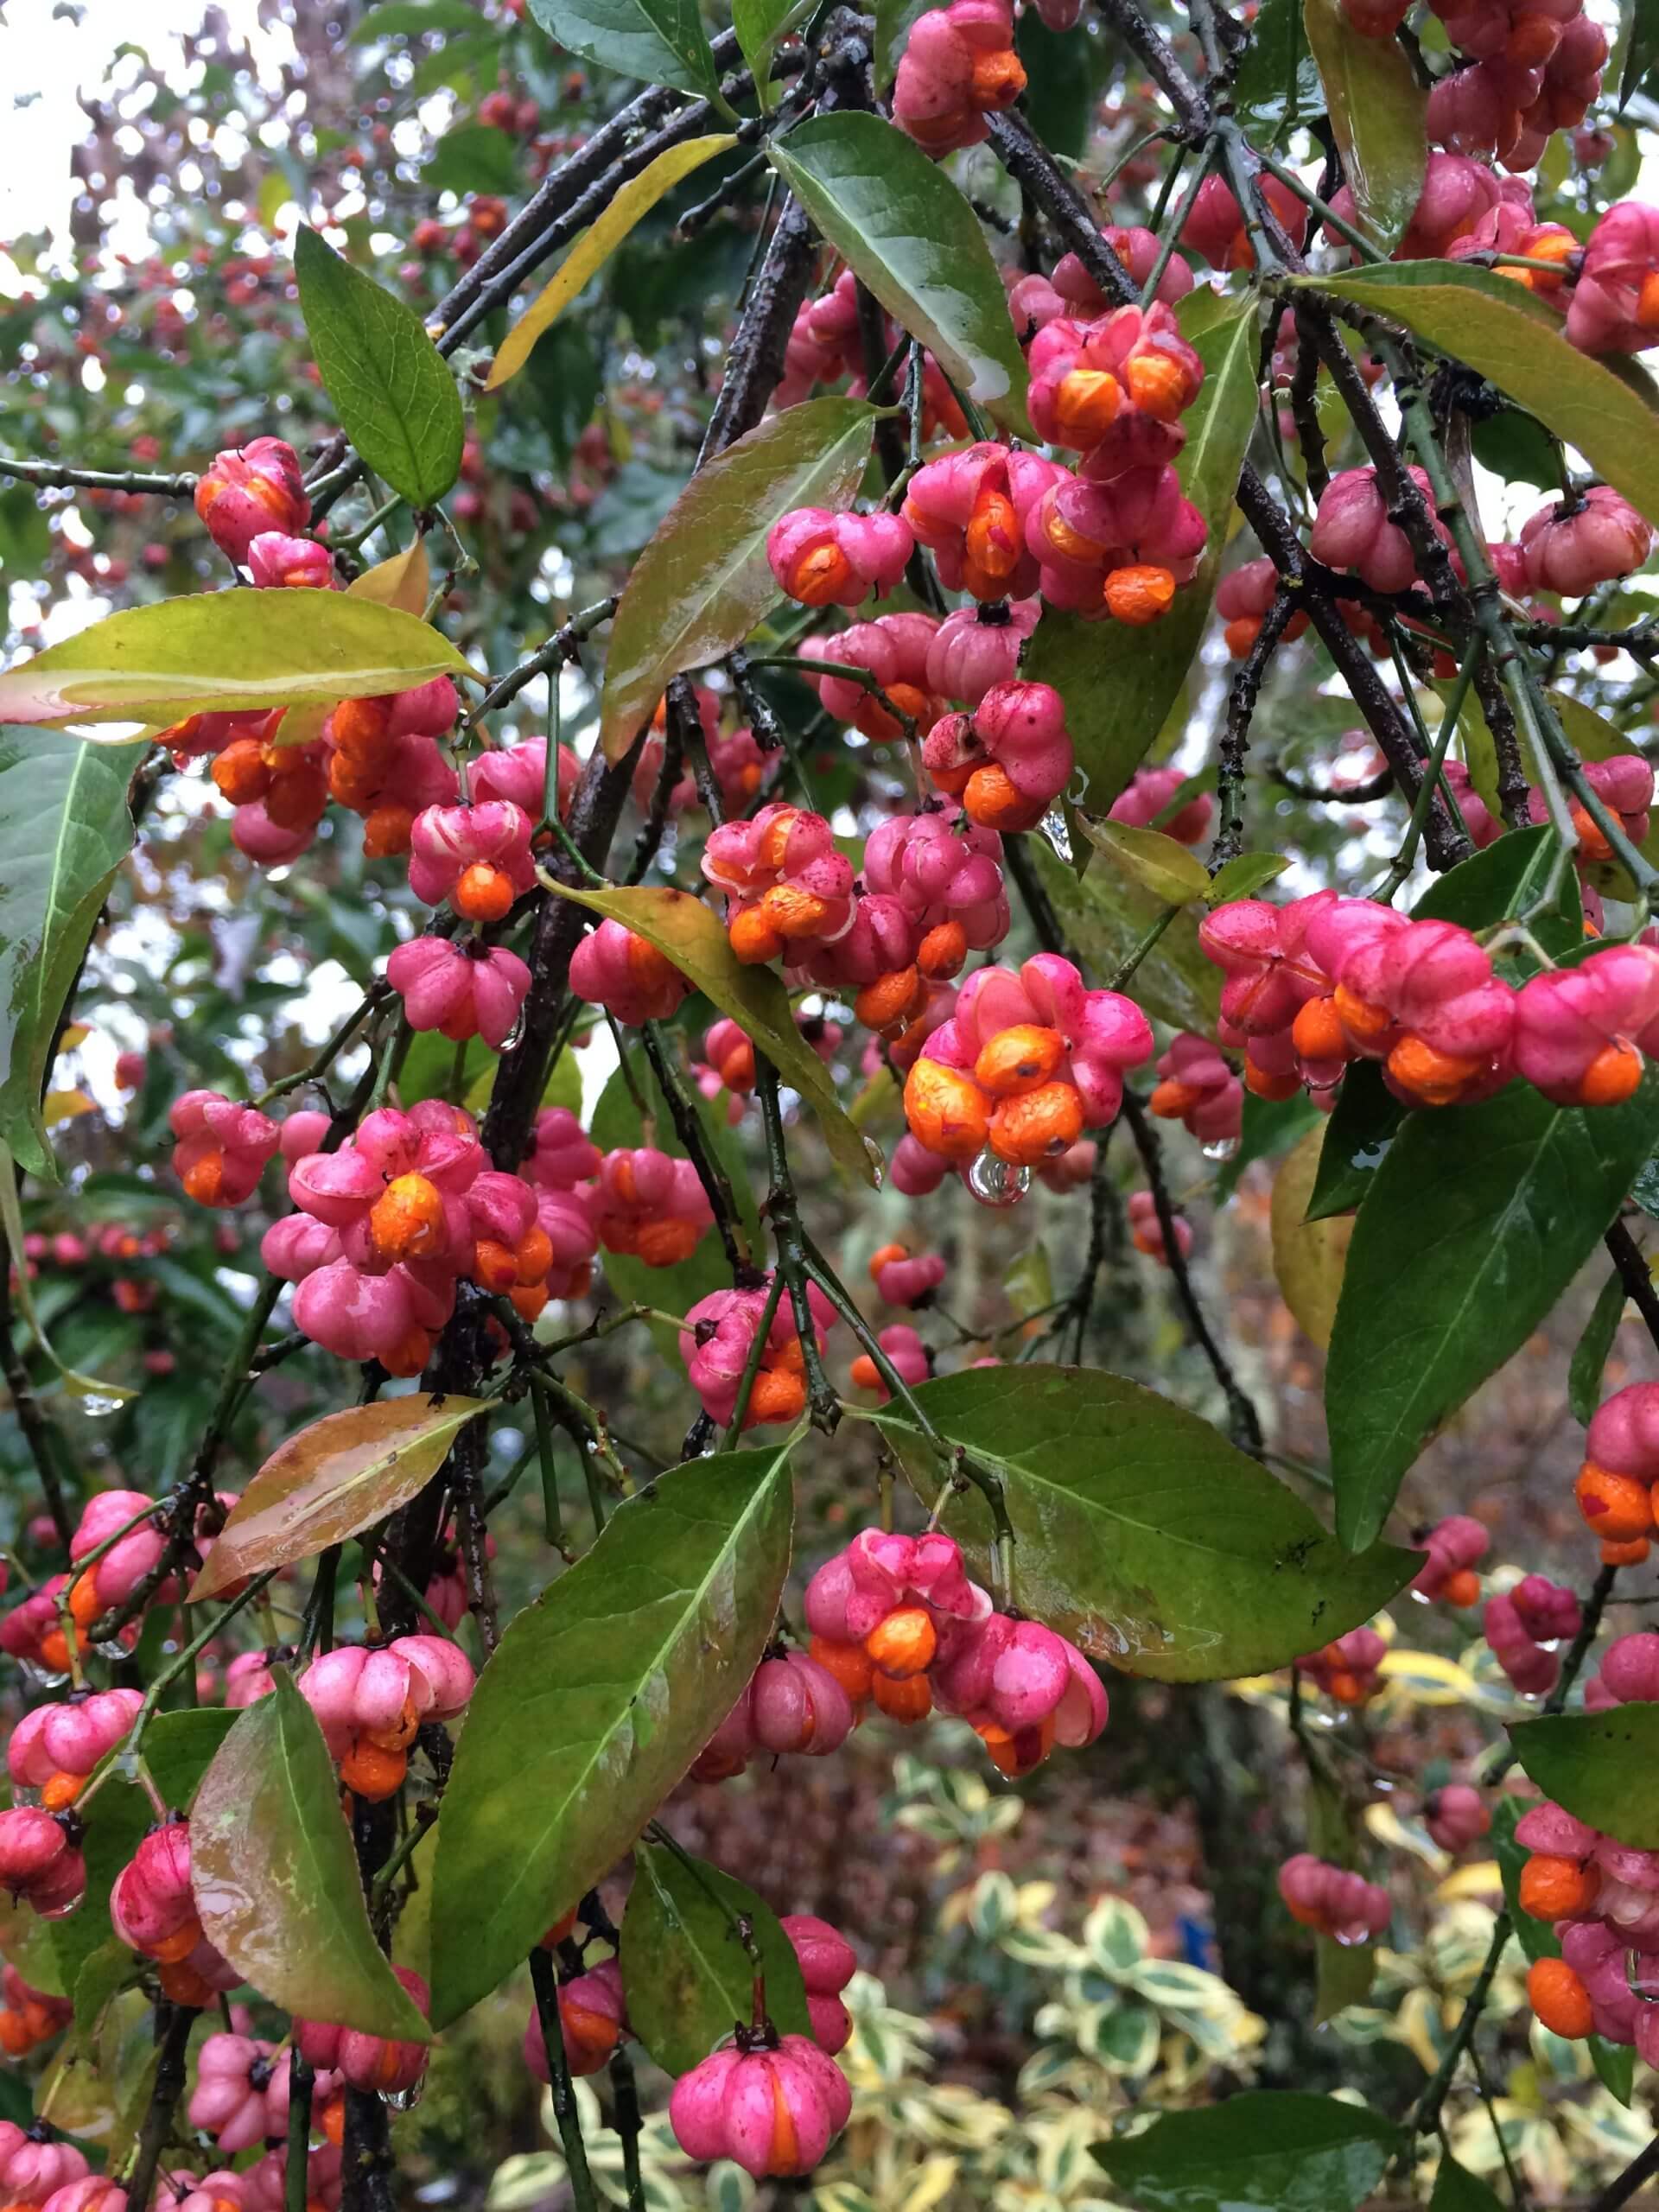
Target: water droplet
<point>1222,1149</point>
<point>404,2099</point>
<point>1642,1972</point>
<point>994,1183</point>
<point>98,1407</point>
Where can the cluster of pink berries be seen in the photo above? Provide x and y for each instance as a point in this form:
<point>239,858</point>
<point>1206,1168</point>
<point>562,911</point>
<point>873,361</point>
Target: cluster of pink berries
<point>1324,981</point>
<point>718,1339</point>
<point>1243,599</point>
<point>1034,299</point>
<point>823,559</point>
<point>1009,760</point>
<point>1197,1088</point>
<point>1603,1898</point>
<point>1026,1062</point>
<point>1454,1547</point>
<point>242,2090</point>
<point>371,1701</point>
<point>1531,70</point>
<point>1456,1815</point>
<point>826,344</point>
<point>895,1620</point>
<point>153,1910</point>
<point>1332,1901</point>
<point>1216,230</point>
<point>1147,1230</point>
<point>120,1541</point>
<point>1519,1622</point>
<point>906,1354</point>
<point>1616,1486</point>
<point>1348,1669</point>
<point>958,67</point>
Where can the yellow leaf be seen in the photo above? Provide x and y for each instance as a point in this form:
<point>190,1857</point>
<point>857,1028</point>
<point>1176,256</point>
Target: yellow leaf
<point>64,1106</point>
<point>1431,1680</point>
<point>935,2181</point>
<point>1308,1257</point>
<point>404,581</point>
<point>1482,1880</point>
<point>596,246</point>
<point>76,1033</point>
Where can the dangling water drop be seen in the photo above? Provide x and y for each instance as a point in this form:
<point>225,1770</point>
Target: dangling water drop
<point>993,1182</point>
<point>1222,1149</point>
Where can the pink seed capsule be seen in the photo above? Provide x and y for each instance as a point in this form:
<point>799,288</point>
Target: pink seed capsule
<point>774,2111</point>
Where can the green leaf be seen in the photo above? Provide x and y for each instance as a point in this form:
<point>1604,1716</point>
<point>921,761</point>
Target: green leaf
<point>1105,917</point>
<point>413,19</point>
<point>1615,2063</point>
<point>332,1479</point>
<point>1061,91</point>
<point>1160,865</point>
<point>593,248</point>
<point>275,1879</point>
<point>1507,877</point>
<point>685,930</point>
<point>1140,1531</point>
<point>904,229</point>
<point>661,41</point>
<point>1476,316</point>
<point>1514,1194</point>
<point>1602,1767</point>
<point>1278,83</point>
<point>1376,109</point>
<point>474,157</point>
<point>616,1123</point>
<point>25,535</point>
<point>1456,2189</point>
<point>11,1220</point>
<point>396,400</point>
<point>704,581</point>
<point>688,1979</point>
<point>894,19</point>
<point>1120,683</point>
<point>105,1972</point>
<point>1537,1938</point>
<point>180,1747</point>
<point>224,652</point>
<point>1518,447</point>
<point>1243,876</point>
<point>65,828</point>
<point>1641,51</point>
<point>1590,1353</point>
<point>1265,2150</point>
<point>599,1698</point>
<point>759,24</point>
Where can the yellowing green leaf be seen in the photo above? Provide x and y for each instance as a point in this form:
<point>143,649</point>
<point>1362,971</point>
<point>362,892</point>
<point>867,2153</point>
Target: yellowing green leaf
<point>1159,864</point>
<point>227,651</point>
<point>404,581</point>
<point>596,246</point>
<point>1377,111</point>
<point>1308,1257</point>
<point>703,583</point>
<point>1476,316</point>
<point>685,930</point>
<point>335,1478</point>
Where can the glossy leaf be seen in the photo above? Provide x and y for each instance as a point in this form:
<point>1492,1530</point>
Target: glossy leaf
<point>1477,1220</point>
<point>1590,1353</point>
<point>275,1879</point>
<point>1174,875</point>
<point>1476,316</point>
<point>702,582</point>
<point>900,223</point>
<point>1140,1531</point>
<point>1308,1257</point>
<point>1062,86</point>
<point>688,1978</point>
<point>684,929</point>
<point>65,828</point>
<point>1456,2189</point>
<point>599,1698</point>
<point>594,247</point>
<point>1602,1767</point>
<point>1244,876</point>
<point>1278,83</point>
<point>661,41</point>
<point>11,1220</point>
<point>1378,110</point>
<point>1641,50</point>
<point>1105,917</point>
<point>759,24</point>
<point>1120,683</point>
<point>180,1747</point>
<point>396,401</point>
<point>1264,2151</point>
<point>336,1476</point>
<point>225,651</point>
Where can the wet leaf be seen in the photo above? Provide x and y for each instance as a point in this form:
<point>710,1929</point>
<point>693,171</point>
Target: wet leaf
<point>1278,81</point>
<point>1119,683</point>
<point>1243,877</point>
<point>685,930</point>
<point>1308,1258</point>
<point>1160,865</point>
<point>336,1476</point>
<point>1602,1767</point>
<point>688,1978</point>
<point>900,223</point>
<point>593,248</point>
<point>1140,1531</point>
<point>1476,1221</point>
<point>660,42</point>
<point>1377,111</point>
<point>703,583</point>
<point>1590,1353</point>
<point>599,1698</point>
<point>65,828</point>
<point>1476,316</point>
<point>396,401</point>
<point>275,1879</point>
<point>1264,2151</point>
<point>225,650</point>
